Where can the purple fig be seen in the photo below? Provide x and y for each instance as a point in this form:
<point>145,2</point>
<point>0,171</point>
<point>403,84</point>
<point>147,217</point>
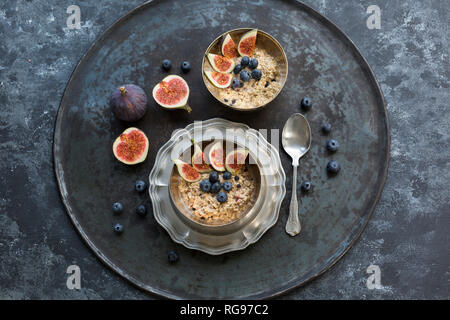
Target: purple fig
<point>128,102</point>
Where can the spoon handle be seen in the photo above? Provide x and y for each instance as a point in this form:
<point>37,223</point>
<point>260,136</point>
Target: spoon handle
<point>293,224</point>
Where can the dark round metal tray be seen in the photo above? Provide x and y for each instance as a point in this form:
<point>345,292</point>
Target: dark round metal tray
<point>323,64</point>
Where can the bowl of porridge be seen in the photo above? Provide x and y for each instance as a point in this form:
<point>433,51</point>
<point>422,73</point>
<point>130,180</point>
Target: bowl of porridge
<point>249,80</point>
<point>199,206</point>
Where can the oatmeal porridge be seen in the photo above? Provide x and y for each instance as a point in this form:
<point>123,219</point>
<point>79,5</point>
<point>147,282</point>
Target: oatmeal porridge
<point>255,92</point>
<point>206,209</point>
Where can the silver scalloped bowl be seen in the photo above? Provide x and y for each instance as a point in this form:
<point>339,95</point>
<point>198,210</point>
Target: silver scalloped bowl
<point>228,237</point>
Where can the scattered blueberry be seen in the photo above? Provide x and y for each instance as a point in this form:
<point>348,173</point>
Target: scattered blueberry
<point>205,185</point>
<point>245,61</point>
<point>245,76</point>
<point>237,68</point>
<point>222,197</point>
<point>306,186</point>
<point>172,256</point>
<point>213,177</point>
<point>236,178</point>
<point>236,83</point>
<point>253,63</point>
<point>117,207</point>
<point>141,210</point>
<point>226,175</point>
<point>166,64</point>
<point>216,187</point>
<point>256,74</point>
<point>306,103</point>
<point>227,186</point>
<point>326,128</point>
<point>238,185</point>
<point>185,66</point>
<point>332,145</point>
<point>118,228</point>
<point>140,186</point>
<point>333,167</point>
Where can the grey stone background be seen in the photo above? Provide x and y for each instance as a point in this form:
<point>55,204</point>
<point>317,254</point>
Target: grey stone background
<point>408,236</point>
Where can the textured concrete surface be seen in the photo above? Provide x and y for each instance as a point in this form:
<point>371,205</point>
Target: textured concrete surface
<point>407,237</point>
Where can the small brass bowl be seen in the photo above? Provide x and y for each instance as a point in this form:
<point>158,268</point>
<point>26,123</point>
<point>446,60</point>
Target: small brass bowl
<point>264,41</point>
<point>220,228</point>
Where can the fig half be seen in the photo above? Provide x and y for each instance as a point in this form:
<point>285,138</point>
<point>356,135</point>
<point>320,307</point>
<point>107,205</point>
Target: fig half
<point>216,156</point>
<point>229,47</point>
<point>128,102</point>
<point>186,171</point>
<point>198,159</point>
<point>131,147</point>
<point>220,63</point>
<point>235,160</point>
<point>172,93</point>
<point>218,79</point>
<point>246,45</point>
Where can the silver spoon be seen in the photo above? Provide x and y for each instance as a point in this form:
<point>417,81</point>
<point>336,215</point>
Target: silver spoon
<point>296,140</point>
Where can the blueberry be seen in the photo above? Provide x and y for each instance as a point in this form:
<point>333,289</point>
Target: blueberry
<point>333,167</point>
<point>222,197</point>
<point>245,61</point>
<point>332,145</point>
<point>236,83</point>
<point>205,185</point>
<point>256,74</point>
<point>245,76</point>
<point>326,128</point>
<point>253,63</point>
<point>227,186</point>
<point>117,207</point>
<point>216,187</point>
<point>236,178</point>
<point>213,177</point>
<point>306,103</point>
<point>140,186</point>
<point>166,65</point>
<point>237,68</point>
<point>226,176</point>
<point>118,228</point>
<point>141,210</point>
<point>306,186</point>
<point>238,185</point>
<point>172,256</point>
<point>185,66</point>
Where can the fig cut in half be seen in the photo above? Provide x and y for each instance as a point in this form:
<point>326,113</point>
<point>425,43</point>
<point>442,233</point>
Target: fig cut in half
<point>235,160</point>
<point>128,102</point>
<point>172,93</point>
<point>218,79</point>
<point>186,171</point>
<point>131,147</point>
<point>216,156</point>
<point>229,47</point>
<point>220,63</point>
<point>246,45</point>
<point>198,159</point>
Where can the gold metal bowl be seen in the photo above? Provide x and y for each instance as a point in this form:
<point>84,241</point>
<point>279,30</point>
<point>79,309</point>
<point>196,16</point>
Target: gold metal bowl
<point>264,41</point>
<point>221,227</point>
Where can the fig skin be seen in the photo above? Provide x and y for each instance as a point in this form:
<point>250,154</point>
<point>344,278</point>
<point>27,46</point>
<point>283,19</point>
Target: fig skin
<point>128,102</point>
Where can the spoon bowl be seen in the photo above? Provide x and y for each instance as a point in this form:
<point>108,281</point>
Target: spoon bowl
<point>296,140</point>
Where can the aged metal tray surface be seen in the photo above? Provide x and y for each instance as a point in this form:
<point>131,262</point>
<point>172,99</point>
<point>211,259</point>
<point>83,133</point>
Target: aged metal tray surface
<point>323,64</point>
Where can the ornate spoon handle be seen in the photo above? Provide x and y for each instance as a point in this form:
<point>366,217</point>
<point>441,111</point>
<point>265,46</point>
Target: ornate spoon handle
<point>293,223</point>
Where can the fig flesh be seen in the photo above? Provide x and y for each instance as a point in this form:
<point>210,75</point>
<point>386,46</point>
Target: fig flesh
<point>216,156</point>
<point>128,102</point>
<point>172,93</point>
<point>220,63</point>
<point>186,171</point>
<point>246,45</point>
<point>218,79</point>
<point>198,159</point>
<point>229,47</point>
<point>131,147</point>
<point>235,160</point>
